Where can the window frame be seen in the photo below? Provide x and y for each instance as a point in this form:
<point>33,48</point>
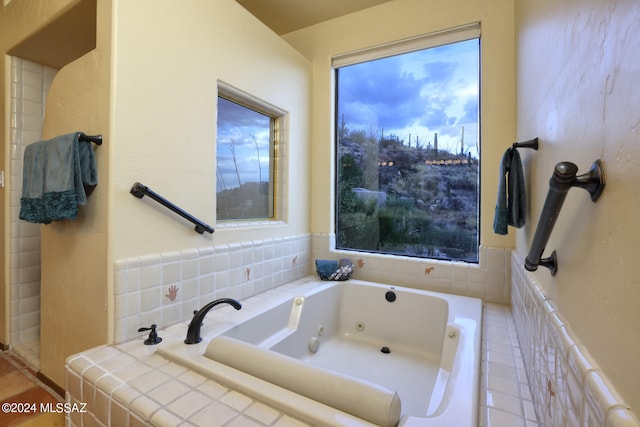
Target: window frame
<point>458,34</point>
<point>278,141</point>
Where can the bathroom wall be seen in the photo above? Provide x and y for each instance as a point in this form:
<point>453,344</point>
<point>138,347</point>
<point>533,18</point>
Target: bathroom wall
<point>165,107</point>
<point>159,98</point>
<point>165,103</point>
<point>150,90</point>
<point>29,86</point>
<point>578,68</point>
<point>75,259</point>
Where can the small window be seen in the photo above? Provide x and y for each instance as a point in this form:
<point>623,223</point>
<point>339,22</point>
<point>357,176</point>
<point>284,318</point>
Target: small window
<point>407,157</point>
<point>246,144</point>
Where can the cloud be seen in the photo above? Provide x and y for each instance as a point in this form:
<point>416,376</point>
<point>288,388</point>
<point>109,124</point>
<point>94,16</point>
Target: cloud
<point>368,90</point>
<point>470,111</point>
<point>241,124</point>
<point>420,93</point>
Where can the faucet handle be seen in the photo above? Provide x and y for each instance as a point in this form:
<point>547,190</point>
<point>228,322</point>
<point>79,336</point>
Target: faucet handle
<point>195,312</point>
<point>153,335</point>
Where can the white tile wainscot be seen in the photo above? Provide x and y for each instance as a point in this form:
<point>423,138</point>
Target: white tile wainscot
<point>488,280</point>
<point>568,387</point>
<point>166,288</point>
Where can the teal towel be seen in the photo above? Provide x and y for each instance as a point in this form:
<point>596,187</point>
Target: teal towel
<point>54,174</point>
<point>511,204</point>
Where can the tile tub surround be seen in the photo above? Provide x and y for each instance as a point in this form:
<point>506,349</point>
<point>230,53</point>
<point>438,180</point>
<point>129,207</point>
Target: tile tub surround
<point>567,385</point>
<point>131,383</point>
<point>166,288</point>
<point>488,280</point>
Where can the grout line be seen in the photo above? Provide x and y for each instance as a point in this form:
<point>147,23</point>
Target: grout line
<point>499,413</point>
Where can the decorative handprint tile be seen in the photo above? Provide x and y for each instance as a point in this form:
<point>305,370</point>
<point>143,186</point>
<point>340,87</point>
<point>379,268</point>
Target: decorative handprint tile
<point>172,293</point>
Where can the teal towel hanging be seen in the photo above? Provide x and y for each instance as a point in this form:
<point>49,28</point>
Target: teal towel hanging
<point>55,172</point>
<point>511,204</point>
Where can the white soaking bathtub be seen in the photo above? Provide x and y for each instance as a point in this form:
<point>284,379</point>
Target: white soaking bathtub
<point>350,353</point>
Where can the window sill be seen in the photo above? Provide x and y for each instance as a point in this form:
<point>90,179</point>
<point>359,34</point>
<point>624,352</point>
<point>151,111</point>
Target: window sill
<point>249,224</point>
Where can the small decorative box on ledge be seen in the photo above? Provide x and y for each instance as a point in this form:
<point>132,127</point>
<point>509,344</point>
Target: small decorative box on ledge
<point>334,270</point>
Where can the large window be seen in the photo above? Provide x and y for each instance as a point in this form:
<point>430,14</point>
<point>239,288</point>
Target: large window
<point>246,168</point>
<point>407,158</point>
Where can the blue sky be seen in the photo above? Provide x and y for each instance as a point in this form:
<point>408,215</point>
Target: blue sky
<point>417,94</point>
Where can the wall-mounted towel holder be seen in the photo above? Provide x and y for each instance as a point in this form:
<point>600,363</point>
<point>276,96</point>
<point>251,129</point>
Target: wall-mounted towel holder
<point>564,177</point>
<point>96,139</point>
<point>532,143</point>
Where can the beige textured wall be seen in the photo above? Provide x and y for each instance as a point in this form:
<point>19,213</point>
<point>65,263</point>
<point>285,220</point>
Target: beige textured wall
<point>151,91</point>
<point>75,261</point>
<point>578,88</point>
<point>402,19</point>
<point>165,100</point>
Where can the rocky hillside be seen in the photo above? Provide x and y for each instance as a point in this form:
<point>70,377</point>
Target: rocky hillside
<point>431,199</point>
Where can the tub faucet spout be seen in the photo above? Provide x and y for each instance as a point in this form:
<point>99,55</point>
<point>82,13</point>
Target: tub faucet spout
<point>193,333</point>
